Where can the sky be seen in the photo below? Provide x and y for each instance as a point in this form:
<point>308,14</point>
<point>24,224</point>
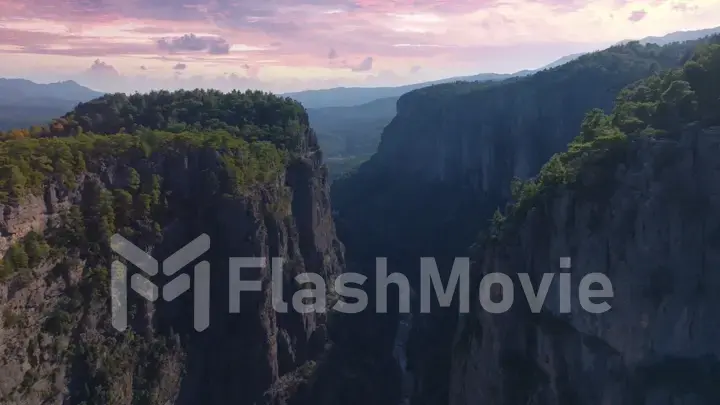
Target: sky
<point>290,45</point>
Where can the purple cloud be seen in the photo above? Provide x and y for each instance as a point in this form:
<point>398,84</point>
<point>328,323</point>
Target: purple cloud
<point>194,43</point>
<point>637,15</point>
<point>101,68</point>
<point>364,66</point>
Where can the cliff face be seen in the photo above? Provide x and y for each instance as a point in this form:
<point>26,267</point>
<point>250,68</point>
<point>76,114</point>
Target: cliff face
<point>654,233</point>
<point>56,342</point>
<point>447,160</point>
<point>452,150</point>
<point>480,135</point>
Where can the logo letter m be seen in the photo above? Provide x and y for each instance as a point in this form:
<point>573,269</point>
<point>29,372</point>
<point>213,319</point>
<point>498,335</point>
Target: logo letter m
<point>148,290</point>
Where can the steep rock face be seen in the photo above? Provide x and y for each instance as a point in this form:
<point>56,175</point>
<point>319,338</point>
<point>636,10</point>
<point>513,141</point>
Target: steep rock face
<point>56,342</point>
<point>451,152</point>
<point>447,160</point>
<point>654,232</point>
<point>480,135</point>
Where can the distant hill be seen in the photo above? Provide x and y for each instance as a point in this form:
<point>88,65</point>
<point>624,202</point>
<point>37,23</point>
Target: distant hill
<point>25,90</point>
<point>352,96</point>
<point>679,36</point>
<point>24,103</point>
<point>562,61</point>
<point>355,96</point>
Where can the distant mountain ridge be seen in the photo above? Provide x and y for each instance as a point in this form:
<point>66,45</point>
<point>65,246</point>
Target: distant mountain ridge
<point>22,89</point>
<point>679,36</point>
<point>24,103</point>
<point>349,135</point>
<point>357,96</point>
<point>353,96</point>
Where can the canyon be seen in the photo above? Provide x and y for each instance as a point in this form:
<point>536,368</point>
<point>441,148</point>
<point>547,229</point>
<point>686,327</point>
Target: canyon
<point>609,160</point>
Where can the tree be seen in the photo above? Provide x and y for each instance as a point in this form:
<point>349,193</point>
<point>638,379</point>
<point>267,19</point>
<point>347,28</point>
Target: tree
<point>36,248</point>
<point>16,258</point>
<point>123,208</point>
<point>595,120</point>
<point>133,180</point>
<point>79,163</point>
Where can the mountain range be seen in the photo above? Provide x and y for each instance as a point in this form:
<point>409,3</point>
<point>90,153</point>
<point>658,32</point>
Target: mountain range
<point>24,103</point>
<point>350,96</point>
<point>348,120</point>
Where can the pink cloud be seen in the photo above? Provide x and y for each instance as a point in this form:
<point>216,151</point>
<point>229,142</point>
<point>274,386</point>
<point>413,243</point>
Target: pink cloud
<point>637,15</point>
<point>194,43</point>
<point>101,69</point>
<point>364,66</point>
<point>334,37</point>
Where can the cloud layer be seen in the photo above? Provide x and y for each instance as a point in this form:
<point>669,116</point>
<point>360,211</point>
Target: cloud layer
<point>194,43</point>
<point>293,44</point>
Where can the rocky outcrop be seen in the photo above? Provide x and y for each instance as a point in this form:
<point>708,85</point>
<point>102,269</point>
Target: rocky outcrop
<point>56,342</point>
<point>17,221</point>
<point>653,231</point>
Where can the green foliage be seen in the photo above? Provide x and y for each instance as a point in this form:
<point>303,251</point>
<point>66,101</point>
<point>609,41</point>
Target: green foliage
<point>123,202</point>
<point>250,115</point>
<point>36,248</point>
<point>26,254</point>
<point>28,164</point>
<point>661,105</point>
<point>16,258</point>
<point>133,180</point>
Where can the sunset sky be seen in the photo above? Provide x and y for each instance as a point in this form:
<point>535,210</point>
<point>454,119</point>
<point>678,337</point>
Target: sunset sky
<point>286,45</point>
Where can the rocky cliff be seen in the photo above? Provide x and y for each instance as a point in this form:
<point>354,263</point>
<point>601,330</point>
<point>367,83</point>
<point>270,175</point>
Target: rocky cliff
<point>635,199</point>
<point>448,159</point>
<point>655,235</point>
<point>161,191</point>
<point>456,147</point>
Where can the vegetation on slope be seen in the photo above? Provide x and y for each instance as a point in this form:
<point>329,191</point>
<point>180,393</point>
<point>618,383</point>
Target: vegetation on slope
<point>250,115</point>
<point>28,165</point>
<point>254,142</point>
<point>252,138</point>
<point>659,106</point>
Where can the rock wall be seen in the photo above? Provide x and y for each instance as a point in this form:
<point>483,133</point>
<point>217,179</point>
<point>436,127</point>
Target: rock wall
<point>56,342</point>
<point>654,232</point>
